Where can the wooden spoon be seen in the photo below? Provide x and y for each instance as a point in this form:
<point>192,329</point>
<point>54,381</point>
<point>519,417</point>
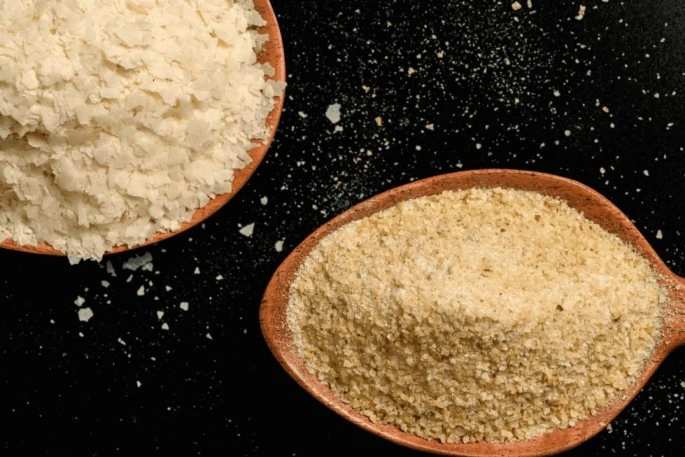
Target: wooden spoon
<point>273,54</point>
<point>593,205</point>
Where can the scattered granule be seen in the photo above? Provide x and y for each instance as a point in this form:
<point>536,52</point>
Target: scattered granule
<point>475,315</point>
<point>119,119</point>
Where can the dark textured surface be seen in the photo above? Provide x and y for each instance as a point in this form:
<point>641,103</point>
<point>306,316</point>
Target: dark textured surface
<point>423,88</point>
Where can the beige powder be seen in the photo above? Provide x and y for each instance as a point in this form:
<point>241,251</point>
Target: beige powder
<point>477,315</point>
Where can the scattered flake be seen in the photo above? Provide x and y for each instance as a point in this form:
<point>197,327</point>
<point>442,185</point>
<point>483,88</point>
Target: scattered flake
<point>122,342</point>
<point>219,277</point>
<point>160,314</point>
<point>516,6</point>
<point>430,126</point>
<point>479,146</point>
<point>557,93</point>
<point>168,288</point>
<point>141,291</point>
<point>84,314</point>
<point>581,12</point>
<point>609,428</point>
<point>366,89</point>
<point>302,114</point>
<point>659,234</point>
<point>279,246</point>
<point>264,200</point>
<point>110,268</point>
<point>79,301</point>
<point>529,3</point>
<point>247,230</point>
<point>605,109</point>
<point>333,113</point>
<point>440,55</point>
<point>411,71</point>
<point>165,326</point>
<point>567,132</point>
<point>645,172</point>
<point>104,283</point>
<point>138,383</point>
<point>184,305</point>
<point>209,336</point>
<point>379,121</point>
<point>197,271</point>
<point>135,262</point>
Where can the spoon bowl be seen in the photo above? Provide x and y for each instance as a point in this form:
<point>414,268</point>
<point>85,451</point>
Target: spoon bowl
<point>593,205</point>
<point>273,54</point>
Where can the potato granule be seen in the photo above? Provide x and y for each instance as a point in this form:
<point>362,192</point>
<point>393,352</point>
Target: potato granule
<point>118,119</point>
<point>475,315</point>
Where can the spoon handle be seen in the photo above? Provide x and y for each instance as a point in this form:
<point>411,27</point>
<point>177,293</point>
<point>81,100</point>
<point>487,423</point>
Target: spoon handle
<point>675,323</point>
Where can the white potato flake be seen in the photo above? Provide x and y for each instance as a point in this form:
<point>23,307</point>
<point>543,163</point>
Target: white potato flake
<point>279,246</point>
<point>84,314</point>
<point>111,134</point>
<point>79,301</point>
<point>333,113</point>
<point>184,305</point>
<point>247,230</point>
<point>137,261</point>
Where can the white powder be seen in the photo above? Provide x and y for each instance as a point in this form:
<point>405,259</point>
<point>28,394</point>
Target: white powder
<point>119,119</point>
<point>477,315</point>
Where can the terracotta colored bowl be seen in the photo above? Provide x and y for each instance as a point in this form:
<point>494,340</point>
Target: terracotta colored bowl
<point>593,205</point>
<point>274,55</point>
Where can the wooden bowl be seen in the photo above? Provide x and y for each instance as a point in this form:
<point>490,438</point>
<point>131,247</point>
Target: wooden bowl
<point>594,206</point>
<point>273,54</point>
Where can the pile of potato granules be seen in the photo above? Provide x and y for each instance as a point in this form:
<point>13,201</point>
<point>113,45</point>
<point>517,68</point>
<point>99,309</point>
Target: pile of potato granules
<point>475,315</point>
<point>119,119</point>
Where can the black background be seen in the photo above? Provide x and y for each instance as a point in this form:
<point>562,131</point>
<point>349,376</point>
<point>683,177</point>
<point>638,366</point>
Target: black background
<point>500,88</point>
